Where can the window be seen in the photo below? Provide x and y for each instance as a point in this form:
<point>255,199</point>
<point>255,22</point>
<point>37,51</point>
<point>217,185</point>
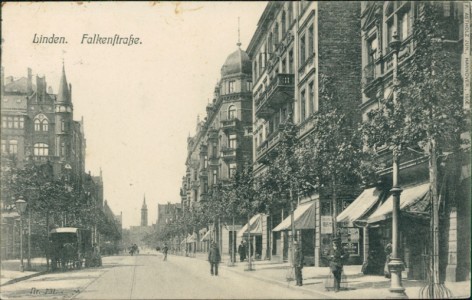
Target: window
<point>215,176</point>
<point>231,88</point>
<point>232,113</point>
<point>232,141</point>
<point>45,125</point>
<point>311,41</point>
<point>232,170</point>
<point>284,25</point>
<point>249,86</point>
<point>270,43</point>
<point>205,162</point>
<point>284,65</point>
<point>10,122</point>
<point>302,106</point>
<point>13,147</point>
<point>22,122</point>
<point>213,151</point>
<point>255,72</point>
<point>290,13</point>
<point>302,50</point>
<point>63,125</point>
<point>4,146</point>
<point>15,122</point>
<point>311,103</point>
<point>276,34</point>
<point>41,149</point>
<point>63,149</point>
<point>290,62</point>
<point>4,122</point>
<point>404,25</point>
<point>37,125</point>
<point>372,45</point>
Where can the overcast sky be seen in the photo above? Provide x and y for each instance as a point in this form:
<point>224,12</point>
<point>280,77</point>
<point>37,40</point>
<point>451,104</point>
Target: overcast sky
<point>139,102</point>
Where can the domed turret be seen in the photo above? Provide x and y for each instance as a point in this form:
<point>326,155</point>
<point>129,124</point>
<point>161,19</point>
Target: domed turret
<point>236,63</point>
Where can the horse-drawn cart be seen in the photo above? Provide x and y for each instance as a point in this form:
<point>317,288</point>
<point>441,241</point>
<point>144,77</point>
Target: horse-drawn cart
<point>71,248</point>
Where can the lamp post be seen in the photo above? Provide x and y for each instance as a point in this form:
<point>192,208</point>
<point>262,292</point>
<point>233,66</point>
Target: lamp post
<point>21,208</point>
<point>395,265</point>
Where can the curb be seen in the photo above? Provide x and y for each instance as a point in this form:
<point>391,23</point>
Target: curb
<point>15,280</point>
<point>280,283</point>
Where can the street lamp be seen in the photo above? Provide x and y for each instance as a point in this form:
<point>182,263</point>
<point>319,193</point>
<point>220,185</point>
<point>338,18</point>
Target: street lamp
<point>21,208</point>
<point>395,265</point>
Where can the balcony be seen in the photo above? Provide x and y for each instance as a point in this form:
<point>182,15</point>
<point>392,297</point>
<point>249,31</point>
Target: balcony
<point>203,173</point>
<point>213,134</point>
<point>228,154</point>
<point>267,145</point>
<point>230,125</point>
<point>213,161</point>
<point>279,92</point>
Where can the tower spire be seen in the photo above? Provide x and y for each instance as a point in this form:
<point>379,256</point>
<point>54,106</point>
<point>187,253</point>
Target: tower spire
<point>63,94</point>
<point>239,36</point>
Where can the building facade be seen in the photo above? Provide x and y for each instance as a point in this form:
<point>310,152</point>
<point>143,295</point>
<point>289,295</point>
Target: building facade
<point>296,43</point>
<point>380,21</point>
<point>223,140</point>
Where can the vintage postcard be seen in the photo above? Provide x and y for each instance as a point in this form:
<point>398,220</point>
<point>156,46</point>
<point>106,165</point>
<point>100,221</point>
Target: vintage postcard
<point>235,150</point>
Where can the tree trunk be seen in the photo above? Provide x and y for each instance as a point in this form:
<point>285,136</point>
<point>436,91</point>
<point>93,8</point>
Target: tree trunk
<point>47,241</point>
<point>334,204</point>
<point>292,221</point>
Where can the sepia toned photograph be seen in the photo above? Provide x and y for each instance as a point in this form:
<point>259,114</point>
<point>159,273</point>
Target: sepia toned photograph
<point>235,150</point>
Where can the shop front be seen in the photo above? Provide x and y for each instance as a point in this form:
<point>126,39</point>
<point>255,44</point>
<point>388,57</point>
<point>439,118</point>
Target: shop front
<point>252,234</point>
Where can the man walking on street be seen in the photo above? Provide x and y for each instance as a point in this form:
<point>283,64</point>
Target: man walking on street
<point>214,258</point>
<point>298,260</point>
<point>337,257</point>
<point>242,251</point>
<point>165,249</point>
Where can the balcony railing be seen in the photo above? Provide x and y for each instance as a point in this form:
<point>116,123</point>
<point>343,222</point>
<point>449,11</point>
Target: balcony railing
<point>228,153</point>
<point>230,125</point>
<point>268,144</point>
<point>280,91</point>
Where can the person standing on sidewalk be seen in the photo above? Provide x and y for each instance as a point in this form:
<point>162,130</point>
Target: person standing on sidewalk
<point>164,250</point>
<point>298,261</point>
<point>242,251</point>
<point>214,258</point>
<point>337,257</point>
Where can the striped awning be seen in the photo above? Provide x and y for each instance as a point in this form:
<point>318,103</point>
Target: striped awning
<point>409,196</point>
<point>359,207</point>
<point>255,224</point>
<point>303,216</point>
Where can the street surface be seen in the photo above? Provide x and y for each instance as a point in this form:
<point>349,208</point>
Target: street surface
<point>149,277</point>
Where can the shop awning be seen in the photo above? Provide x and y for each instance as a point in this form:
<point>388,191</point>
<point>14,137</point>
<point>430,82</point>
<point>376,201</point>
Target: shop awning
<point>410,196</point>
<point>255,224</point>
<point>191,238</point>
<point>359,207</point>
<point>207,236</point>
<point>303,216</point>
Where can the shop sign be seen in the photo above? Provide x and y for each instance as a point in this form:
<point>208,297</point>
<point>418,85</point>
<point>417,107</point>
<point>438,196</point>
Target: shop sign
<point>326,225</point>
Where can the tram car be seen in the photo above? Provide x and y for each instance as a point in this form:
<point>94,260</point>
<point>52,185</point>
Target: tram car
<point>71,248</point>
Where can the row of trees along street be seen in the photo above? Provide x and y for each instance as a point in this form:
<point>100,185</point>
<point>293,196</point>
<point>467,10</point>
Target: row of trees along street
<point>53,202</point>
<point>428,119</point>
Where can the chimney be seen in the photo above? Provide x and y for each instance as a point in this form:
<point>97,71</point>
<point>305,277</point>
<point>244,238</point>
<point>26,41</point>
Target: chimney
<point>29,83</point>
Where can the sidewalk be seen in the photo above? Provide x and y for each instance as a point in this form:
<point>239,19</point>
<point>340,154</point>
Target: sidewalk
<point>10,270</point>
<point>359,286</point>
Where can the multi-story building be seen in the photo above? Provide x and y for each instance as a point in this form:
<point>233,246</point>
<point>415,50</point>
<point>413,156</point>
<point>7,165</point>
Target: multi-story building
<point>294,45</point>
<point>223,141</point>
<point>38,126</point>
<point>380,21</point>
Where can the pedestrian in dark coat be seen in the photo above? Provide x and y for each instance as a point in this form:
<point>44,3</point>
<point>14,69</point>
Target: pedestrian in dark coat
<point>298,261</point>
<point>214,258</point>
<point>242,251</point>
<point>164,250</point>
<point>337,257</point>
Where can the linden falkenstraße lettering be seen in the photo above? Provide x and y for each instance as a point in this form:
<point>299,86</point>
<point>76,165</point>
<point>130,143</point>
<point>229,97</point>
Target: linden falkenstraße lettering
<point>45,39</point>
<point>117,39</point>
